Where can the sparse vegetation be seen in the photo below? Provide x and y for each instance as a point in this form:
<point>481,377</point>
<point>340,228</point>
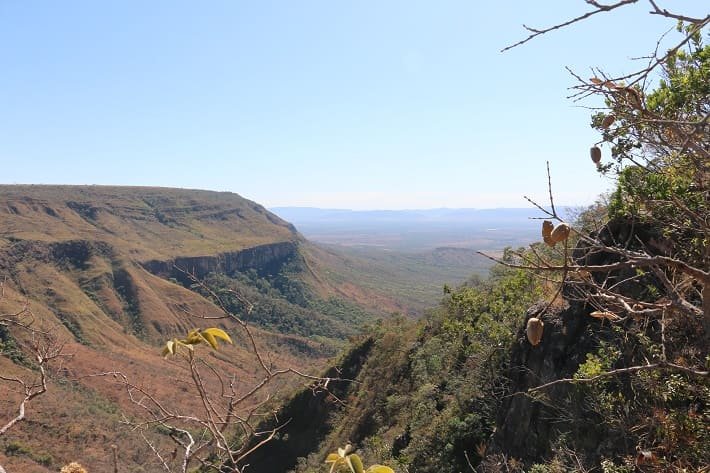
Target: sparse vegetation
<point>586,351</point>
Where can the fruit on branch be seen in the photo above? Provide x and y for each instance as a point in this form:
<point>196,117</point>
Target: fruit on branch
<point>596,154</point>
<point>551,235</point>
<point>534,330</point>
<point>607,122</point>
<point>547,227</point>
<point>560,233</point>
<point>632,97</point>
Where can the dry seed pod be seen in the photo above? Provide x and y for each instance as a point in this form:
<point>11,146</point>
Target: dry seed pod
<point>596,154</point>
<point>547,231</point>
<point>547,228</point>
<point>560,233</point>
<point>534,330</point>
<point>607,121</point>
<point>634,98</point>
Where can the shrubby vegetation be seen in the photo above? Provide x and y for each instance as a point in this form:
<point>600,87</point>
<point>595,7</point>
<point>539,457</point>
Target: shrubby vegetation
<point>634,269</point>
<point>282,302</point>
<point>427,395</point>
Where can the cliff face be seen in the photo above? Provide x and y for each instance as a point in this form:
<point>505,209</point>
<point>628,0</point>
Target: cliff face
<point>526,426</point>
<point>614,417</point>
<point>94,264</point>
<point>263,258</point>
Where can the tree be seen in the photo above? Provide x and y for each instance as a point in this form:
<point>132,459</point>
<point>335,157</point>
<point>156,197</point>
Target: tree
<point>660,156</point>
<point>42,347</point>
<point>659,137</point>
<point>643,267</point>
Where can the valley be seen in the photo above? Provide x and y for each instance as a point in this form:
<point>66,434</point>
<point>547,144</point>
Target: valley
<point>412,254</point>
<point>112,273</point>
<point>402,283</point>
<point>409,345</point>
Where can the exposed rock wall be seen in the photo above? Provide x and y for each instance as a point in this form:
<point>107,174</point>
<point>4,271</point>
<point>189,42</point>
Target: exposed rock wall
<point>264,258</point>
<point>527,427</point>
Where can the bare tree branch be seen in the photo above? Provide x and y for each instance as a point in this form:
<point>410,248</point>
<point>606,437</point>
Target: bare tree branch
<point>599,9</point>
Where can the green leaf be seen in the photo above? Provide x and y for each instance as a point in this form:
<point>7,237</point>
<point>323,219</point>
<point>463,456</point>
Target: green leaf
<point>355,463</point>
<point>210,339</point>
<point>217,333</point>
<point>379,469</point>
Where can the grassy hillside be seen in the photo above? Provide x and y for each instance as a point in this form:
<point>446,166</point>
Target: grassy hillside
<point>426,391</point>
<point>141,222</point>
<point>98,267</point>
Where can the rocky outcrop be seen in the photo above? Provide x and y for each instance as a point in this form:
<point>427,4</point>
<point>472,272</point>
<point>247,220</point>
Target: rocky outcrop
<point>263,258</point>
<point>528,426</point>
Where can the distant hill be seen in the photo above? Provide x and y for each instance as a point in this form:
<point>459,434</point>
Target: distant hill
<point>146,222</point>
<point>444,215</point>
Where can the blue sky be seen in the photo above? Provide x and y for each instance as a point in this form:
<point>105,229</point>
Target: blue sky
<point>363,105</point>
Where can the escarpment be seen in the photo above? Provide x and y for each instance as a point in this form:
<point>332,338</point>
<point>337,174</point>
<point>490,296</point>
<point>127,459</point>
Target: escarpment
<point>105,270</point>
<point>142,223</point>
<point>264,259</point>
<point>526,426</point>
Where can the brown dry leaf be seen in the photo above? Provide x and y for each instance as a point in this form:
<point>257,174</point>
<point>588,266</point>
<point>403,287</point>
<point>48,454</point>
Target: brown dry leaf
<point>596,81</point>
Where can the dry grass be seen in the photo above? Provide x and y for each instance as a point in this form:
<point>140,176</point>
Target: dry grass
<point>139,222</point>
<point>82,304</point>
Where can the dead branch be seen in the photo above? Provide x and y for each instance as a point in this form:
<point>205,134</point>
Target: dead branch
<point>599,9</point>
<point>43,346</point>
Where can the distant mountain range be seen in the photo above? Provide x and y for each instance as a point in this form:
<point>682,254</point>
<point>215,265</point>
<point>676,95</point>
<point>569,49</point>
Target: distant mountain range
<point>300,215</point>
<point>416,230</point>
